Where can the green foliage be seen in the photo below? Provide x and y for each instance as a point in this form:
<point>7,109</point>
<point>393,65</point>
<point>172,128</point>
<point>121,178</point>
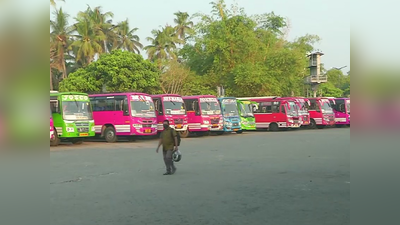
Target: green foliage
<point>246,54</point>
<point>338,80</point>
<point>329,90</point>
<point>119,71</point>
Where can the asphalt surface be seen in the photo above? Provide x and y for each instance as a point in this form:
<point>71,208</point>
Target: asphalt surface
<point>283,178</point>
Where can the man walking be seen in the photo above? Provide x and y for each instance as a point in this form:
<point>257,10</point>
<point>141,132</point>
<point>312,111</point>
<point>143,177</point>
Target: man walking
<point>169,141</point>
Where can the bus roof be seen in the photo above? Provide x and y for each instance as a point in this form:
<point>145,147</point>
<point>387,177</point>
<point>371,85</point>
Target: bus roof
<point>198,96</point>
<point>165,95</point>
<point>264,97</point>
<point>118,94</point>
<point>227,98</point>
<point>67,93</point>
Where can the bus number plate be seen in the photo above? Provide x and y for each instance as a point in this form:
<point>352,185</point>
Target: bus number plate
<point>147,131</point>
<point>179,126</point>
<point>235,129</point>
<point>83,134</point>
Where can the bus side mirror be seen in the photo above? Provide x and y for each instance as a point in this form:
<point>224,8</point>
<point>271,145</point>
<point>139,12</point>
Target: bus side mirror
<point>126,113</point>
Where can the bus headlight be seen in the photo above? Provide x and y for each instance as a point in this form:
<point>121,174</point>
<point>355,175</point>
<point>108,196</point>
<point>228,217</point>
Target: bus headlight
<point>206,122</point>
<point>70,129</point>
<point>93,129</point>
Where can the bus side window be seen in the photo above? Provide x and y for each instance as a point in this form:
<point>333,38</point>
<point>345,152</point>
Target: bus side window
<point>110,104</point>
<point>159,107</point>
<point>283,109</point>
<point>312,106</point>
<point>196,108</point>
<point>54,105</point>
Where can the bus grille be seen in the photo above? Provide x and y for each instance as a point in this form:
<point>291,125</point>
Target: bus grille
<point>147,121</point>
<point>235,124</point>
<point>214,121</point>
<point>83,129</point>
<point>80,124</point>
<point>178,121</point>
<point>146,125</point>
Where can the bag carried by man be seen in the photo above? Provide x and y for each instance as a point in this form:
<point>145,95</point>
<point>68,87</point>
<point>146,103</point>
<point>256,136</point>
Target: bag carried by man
<point>177,155</point>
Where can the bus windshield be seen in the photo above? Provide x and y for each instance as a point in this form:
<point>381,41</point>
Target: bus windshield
<point>142,109</point>
<point>210,108</point>
<point>292,109</point>
<point>230,109</point>
<point>246,110</point>
<point>174,108</point>
<point>325,106</point>
<point>77,110</point>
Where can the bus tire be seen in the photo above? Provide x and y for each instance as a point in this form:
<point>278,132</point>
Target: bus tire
<point>273,127</point>
<point>184,134</point>
<point>56,140</point>
<point>110,135</point>
<point>313,124</point>
<point>76,141</point>
<point>239,131</point>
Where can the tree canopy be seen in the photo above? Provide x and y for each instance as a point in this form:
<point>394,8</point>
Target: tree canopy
<point>118,71</point>
<point>248,55</point>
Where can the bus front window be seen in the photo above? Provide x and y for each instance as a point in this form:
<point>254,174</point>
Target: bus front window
<point>210,108</point>
<point>77,110</point>
<point>246,110</point>
<point>174,108</point>
<point>142,109</point>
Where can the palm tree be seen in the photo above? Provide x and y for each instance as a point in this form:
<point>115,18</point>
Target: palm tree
<point>60,35</point>
<point>183,25</point>
<point>53,2</point>
<point>88,40</point>
<point>127,39</point>
<point>163,44</point>
<point>102,24</point>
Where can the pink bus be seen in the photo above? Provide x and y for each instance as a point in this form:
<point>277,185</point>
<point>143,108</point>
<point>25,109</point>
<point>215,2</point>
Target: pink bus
<point>321,113</point>
<point>51,126</point>
<point>123,114</point>
<point>172,108</point>
<point>341,108</point>
<point>204,114</point>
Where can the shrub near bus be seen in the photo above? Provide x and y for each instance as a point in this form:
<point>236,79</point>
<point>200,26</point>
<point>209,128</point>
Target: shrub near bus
<point>72,117</point>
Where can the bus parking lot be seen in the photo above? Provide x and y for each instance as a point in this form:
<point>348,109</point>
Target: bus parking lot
<point>292,177</point>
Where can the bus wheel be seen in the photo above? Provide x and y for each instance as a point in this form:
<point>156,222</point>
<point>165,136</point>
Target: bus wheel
<point>312,125</point>
<point>56,140</point>
<point>184,134</point>
<point>109,135</point>
<point>76,141</point>
<point>239,131</point>
<point>273,127</point>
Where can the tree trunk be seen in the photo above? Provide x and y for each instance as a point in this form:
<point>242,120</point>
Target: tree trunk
<point>64,69</point>
<point>51,80</point>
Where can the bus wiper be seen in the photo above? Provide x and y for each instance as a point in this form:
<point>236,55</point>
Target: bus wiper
<point>173,102</point>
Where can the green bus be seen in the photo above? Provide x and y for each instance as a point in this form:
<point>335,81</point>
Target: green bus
<point>72,117</point>
<point>248,120</point>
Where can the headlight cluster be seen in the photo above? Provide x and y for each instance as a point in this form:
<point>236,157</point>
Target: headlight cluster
<point>70,129</point>
<point>206,122</point>
<point>137,125</point>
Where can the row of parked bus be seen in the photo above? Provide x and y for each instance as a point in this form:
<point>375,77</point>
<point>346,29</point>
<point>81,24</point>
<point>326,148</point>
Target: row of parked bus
<point>76,116</point>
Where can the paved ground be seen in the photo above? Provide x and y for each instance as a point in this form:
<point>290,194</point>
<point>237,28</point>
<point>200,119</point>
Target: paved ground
<point>258,178</point>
